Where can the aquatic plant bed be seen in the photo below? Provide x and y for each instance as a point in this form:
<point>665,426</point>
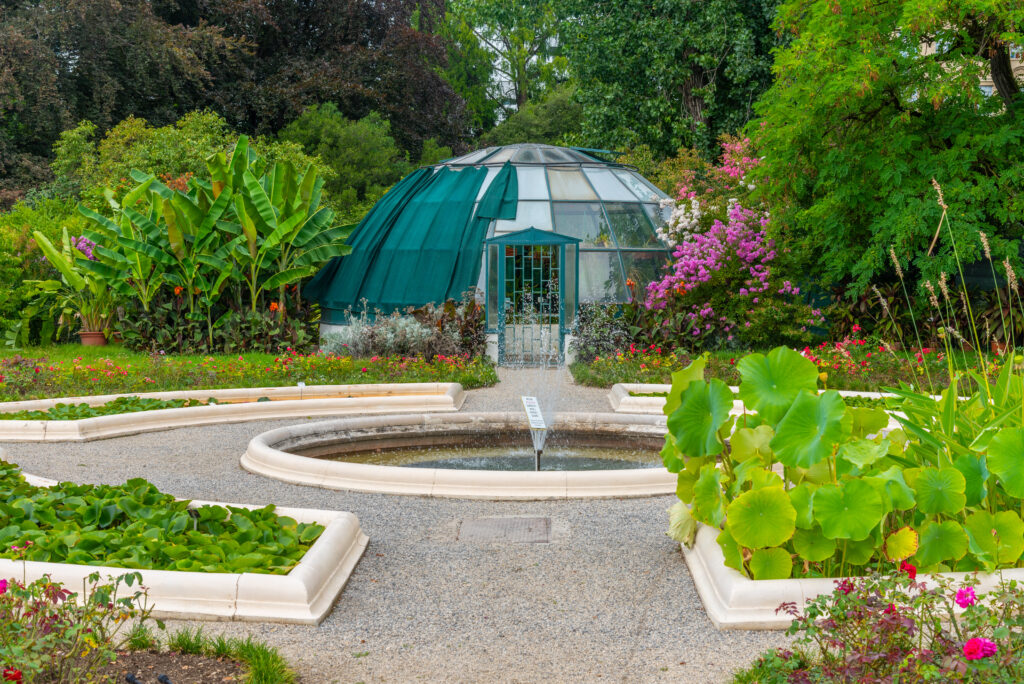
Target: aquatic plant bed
<point>733,601</point>
<point>650,398</point>
<point>215,560</point>
<point>48,372</point>
<point>201,407</point>
<point>276,454</point>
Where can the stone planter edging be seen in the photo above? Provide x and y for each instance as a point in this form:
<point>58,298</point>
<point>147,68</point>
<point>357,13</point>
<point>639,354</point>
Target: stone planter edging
<point>733,601</point>
<point>304,596</point>
<point>267,455</point>
<point>241,405</point>
<point>622,401</point>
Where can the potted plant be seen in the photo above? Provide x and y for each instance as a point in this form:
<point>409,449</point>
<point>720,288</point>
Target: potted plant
<point>79,293</point>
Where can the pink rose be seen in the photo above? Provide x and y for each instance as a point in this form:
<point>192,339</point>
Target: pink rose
<point>978,648</point>
<point>965,597</point>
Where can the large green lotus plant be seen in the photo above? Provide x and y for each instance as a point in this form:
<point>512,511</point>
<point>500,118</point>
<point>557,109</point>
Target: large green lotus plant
<point>799,483</point>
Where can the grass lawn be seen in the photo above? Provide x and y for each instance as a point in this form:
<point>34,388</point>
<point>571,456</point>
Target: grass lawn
<point>74,370</point>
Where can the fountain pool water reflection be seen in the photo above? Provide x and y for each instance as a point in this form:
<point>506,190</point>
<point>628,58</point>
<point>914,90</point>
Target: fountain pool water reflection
<point>506,457</point>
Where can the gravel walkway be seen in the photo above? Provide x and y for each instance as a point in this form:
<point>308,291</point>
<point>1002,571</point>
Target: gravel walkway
<point>609,599</point>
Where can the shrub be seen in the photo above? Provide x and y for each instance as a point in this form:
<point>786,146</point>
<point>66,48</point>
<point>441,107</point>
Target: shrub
<point>600,330</point>
<point>894,628</point>
<point>49,634</point>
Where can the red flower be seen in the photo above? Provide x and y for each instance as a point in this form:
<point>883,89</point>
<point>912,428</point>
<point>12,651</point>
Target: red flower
<point>273,307</point>
<point>12,675</point>
<point>909,569</point>
<point>976,649</point>
<point>856,328</point>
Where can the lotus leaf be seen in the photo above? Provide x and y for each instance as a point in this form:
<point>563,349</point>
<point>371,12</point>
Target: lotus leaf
<point>901,544</point>
<point>975,473</point>
<point>893,489</point>
<point>867,421</point>
<point>999,536</point>
<point>801,497</point>
<point>708,501</point>
<point>1006,460</point>
<point>688,477</point>
<point>704,409</point>
<point>771,564</point>
<point>681,379</point>
<point>862,452</point>
<point>859,552</point>
<point>941,542</point>
<point>747,443</point>
<point>938,490</point>
<point>847,511</point>
<point>670,456</point>
<point>810,430</point>
<point>731,550</point>
<point>761,517</point>
<point>812,545</point>
<point>771,383</point>
<point>681,525</point>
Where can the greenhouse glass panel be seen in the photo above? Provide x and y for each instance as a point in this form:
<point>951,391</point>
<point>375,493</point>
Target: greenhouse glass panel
<point>631,226</point>
<point>528,215</point>
<point>501,156</point>
<point>533,183</point>
<point>600,277</point>
<point>492,171</point>
<point>607,186</point>
<point>553,155</point>
<point>584,221</point>
<point>642,190</point>
<point>569,184</point>
<point>658,214</point>
<point>642,268</point>
<point>570,287</point>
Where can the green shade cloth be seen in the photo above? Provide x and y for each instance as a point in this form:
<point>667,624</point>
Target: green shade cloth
<point>421,243</point>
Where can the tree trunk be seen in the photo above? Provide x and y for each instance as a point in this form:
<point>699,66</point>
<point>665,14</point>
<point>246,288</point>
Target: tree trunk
<point>1002,73</point>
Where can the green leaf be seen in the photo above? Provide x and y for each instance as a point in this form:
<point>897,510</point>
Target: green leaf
<point>681,379</point>
<point>761,517</point>
<point>894,488</point>
<point>749,443</point>
<point>1006,460</point>
<point>771,383</point>
<point>940,542</point>
<point>731,550</point>
<point>862,452</point>
<point>867,421</point>
<point>975,474</point>
<point>801,497</point>
<point>771,564</point>
<point>999,535</point>
<point>813,546</point>
<point>708,500</point>
<point>695,423</point>
<point>938,490</point>
<point>810,429</point>
<point>670,455</point>
<point>847,511</point>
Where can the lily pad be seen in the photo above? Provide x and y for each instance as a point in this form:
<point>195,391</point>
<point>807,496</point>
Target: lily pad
<point>849,511</point>
<point>812,545</point>
<point>761,518</point>
<point>704,409</point>
<point>809,431</point>
<point>1006,460</point>
<point>939,490</point>
<point>941,542</point>
<point>771,383</point>
<point>975,472</point>
<point>1000,536</point>
<point>771,564</point>
<point>901,544</point>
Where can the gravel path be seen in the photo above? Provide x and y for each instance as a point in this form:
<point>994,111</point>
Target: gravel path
<point>609,599</point>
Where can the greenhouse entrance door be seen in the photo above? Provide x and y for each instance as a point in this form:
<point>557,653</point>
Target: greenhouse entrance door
<point>531,295</point>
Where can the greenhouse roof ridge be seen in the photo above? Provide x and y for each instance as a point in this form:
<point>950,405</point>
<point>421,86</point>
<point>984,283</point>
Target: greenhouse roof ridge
<point>532,154</point>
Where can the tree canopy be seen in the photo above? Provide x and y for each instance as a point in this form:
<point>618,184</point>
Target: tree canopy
<point>870,103</point>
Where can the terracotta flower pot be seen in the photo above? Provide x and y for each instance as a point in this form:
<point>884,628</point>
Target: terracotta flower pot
<point>998,347</point>
<point>92,338</point>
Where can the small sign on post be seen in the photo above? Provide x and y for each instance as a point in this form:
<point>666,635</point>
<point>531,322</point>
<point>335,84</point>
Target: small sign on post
<point>538,430</point>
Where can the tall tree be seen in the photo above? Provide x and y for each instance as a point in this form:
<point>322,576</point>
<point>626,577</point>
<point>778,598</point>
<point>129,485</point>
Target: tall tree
<point>871,102</point>
<point>667,73</point>
<point>523,39</point>
<point>470,71</point>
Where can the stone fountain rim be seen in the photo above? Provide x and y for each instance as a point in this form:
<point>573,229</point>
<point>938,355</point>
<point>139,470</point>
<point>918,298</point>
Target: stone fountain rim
<point>263,457</point>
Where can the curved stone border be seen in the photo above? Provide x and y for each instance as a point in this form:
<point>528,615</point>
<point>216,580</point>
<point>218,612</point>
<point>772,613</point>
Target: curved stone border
<point>734,601</point>
<point>267,455</point>
<point>239,405</point>
<point>621,399</point>
<point>304,596</point>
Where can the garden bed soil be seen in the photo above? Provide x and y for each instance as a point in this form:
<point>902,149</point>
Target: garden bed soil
<point>180,668</point>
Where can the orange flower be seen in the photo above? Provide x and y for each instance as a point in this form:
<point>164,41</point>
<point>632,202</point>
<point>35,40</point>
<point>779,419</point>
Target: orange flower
<point>178,290</point>
<point>273,307</point>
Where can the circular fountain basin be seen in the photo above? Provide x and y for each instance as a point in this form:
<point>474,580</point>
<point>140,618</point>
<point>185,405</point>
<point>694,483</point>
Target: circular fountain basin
<point>470,455</point>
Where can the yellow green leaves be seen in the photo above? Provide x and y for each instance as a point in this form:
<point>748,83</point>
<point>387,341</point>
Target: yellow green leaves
<point>810,430</point>
<point>769,564</point>
<point>681,379</point>
<point>761,518</point>
<point>681,525</point>
<point>901,544</point>
<point>704,407</point>
<point>938,490</point>
<point>1006,460</point>
<point>997,538</point>
<point>945,541</point>
<point>847,511</point>
<point>771,383</point>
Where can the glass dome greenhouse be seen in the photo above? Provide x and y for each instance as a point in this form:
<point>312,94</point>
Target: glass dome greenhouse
<point>424,241</point>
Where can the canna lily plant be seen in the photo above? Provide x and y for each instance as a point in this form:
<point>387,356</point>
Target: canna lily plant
<point>79,293</point>
<point>799,483</point>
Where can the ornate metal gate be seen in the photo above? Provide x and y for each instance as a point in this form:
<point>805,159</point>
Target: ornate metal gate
<point>531,295</point>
